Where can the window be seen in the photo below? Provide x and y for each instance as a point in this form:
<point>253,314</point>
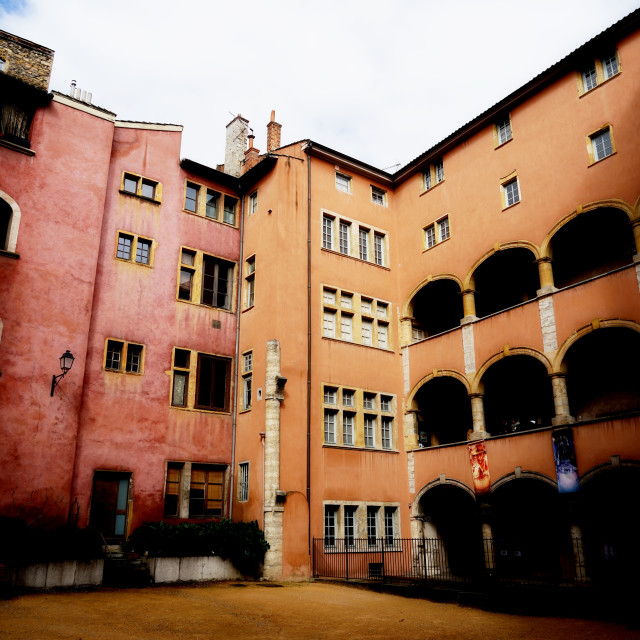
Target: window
<point>181,368</point>
<point>124,357</point>
<point>382,309</point>
<point>347,428</point>
<point>349,525</point>
<point>2,64</point>
<point>503,130</point>
<point>345,233</point>
<point>136,185</point>
<point>211,205</point>
<point>250,280</point>
<point>247,379</point>
<point>206,491</point>
<point>383,333</point>
<point>366,328</point>
<point>212,386</point>
<point>329,326</point>
<point>600,145</point>
<point>253,203</point>
<point>364,419</point>
<point>378,244</point>
<point>365,305</point>
<point>510,193</point>
<point>436,232</point>
<point>417,333</point>
<point>134,248</point>
<point>343,183</point>
<point>389,526</point>
<point>330,426</point>
<point>378,196</point>
<point>386,430</point>
<point>243,482</point>
<point>363,244</point>
<point>191,197</point>
<point>172,490</point>
<point>369,431</point>
<point>327,232</point>
<point>372,526</point>
<point>229,210</point>
<point>599,70</point>
<point>330,525</point>
<point>329,296</point>
<point>433,174</point>
<point>346,327</point>
<point>213,287</point>
<point>346,300</point>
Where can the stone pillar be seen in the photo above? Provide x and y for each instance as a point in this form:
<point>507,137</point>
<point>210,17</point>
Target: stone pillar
<point>635,224</point>
<point>411,435</point>
<point>560,400</point>
<point>406,330</point>
<point>545,273</point>
<point>477,414</point>
<point>273,507</point>
<point>468,306</point>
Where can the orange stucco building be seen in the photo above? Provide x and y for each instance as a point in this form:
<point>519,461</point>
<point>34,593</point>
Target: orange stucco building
<point>348,356</point>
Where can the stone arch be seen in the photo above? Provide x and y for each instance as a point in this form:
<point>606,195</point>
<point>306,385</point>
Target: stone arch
<point>580,333</point>
<point>13,223</point>
<point>599,204</point>
<point>416,509</point>
<point>410,404</point>
<point>407,310</point>
<point>476,386</point>
<point>499,246</point>
<point>605,467</point>
<point>533,475</point>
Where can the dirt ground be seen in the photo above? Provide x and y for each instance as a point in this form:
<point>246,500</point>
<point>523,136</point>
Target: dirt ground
<point>270,610</point>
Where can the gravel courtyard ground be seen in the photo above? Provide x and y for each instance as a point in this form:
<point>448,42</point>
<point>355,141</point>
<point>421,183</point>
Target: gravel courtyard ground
<point>268,610</point>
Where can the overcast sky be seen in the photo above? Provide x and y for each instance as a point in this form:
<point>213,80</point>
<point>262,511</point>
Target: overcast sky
<point>379,81</point>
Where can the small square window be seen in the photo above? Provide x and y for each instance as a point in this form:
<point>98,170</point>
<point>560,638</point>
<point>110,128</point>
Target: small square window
<point>430,236</point>
<point>382,309</point>
<point>329,296</point>
<point>114,355</point>
<point>130,183</point>
<point>443,229</point>
<point>386,403</point>
<point>348,397</point>
<point>610,65</point>
<point>346,300</point>
<point>511,192</point>
<point>589,78</point>
<point>247,362</point>
<point>503,129</point>
<point>148,189</point>
<point>601,144</point>
<point>143,251</point>
<point>134,358</point>
<point>330,395</point>
<point>124,246</point>
<point>343,183</point>
<point>378,196</point>
<point>369,401</point>
<point>365,305</point>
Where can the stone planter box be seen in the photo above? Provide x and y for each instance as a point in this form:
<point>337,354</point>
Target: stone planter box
<point>70,573</point>
<point>196,569</point>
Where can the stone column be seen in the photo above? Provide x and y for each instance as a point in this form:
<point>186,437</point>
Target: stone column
<point>477,414</point>
<point>411,435</point>
<point>560,400</point>
<point>406,330</point>
<point>273,508</point>
<point>545,273</point>
<point>635,224</point>
<point>468,306</point>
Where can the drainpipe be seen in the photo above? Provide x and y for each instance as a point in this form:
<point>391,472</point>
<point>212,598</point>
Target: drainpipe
<point>309,344</point>
<point>237,356</point>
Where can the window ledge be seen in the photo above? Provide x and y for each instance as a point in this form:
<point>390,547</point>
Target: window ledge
<point>430,189</point>
<point>346,255</point>
<point>502,144</point>
<point>16,147</point>
<point>358,344</point>
<point>600,84</point>
<point>134,262</point>
<point>207,411</point>
<point>437,244</point>
<point>353,447</point>
<point>139,197</point>
<point>9,254</point>
<point>246,308</point>
<point>247,410</point>
<point>515,204</point>
<point>197,215</point>
<point>594,162</point>
<point>128,373</point>
<point>204,306</point>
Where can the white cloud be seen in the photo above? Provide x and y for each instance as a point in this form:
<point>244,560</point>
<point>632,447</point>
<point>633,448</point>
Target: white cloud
<point>381,81</point>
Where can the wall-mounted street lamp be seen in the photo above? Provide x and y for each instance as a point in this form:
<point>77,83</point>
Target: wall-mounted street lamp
<point>66,362</point>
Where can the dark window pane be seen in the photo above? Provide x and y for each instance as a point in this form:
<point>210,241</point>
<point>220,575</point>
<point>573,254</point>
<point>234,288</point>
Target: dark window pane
<point>186,281</point>
<point>143,251</point>
<point>114,355</point>
<point>181,358</point>
<point>212,204</point>
<point>124,246</point>
<point>191,198</point>
<point>148,189</point>
<point>130,184</point>
<point>134,358</point>
<point>205,380</point>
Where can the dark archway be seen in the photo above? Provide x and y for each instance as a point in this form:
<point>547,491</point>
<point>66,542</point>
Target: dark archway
<point>602,373</point>
<point>530,531</point>
<point>451,515</point>
<point>444,412</point>
<point>610,521</point>
<point>518,395</point>
<point>593,243</point>
<point>437,307</point>
<point>5,224</point>
<point>505,279</point>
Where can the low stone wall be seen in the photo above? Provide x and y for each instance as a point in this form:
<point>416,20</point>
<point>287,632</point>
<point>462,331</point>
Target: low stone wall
<point>69,573</point>
<point>197,569</point>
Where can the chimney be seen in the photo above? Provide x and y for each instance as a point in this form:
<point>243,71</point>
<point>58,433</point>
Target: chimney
<point>235,146</point>
<point>273,133</point>
<point>251,154</point>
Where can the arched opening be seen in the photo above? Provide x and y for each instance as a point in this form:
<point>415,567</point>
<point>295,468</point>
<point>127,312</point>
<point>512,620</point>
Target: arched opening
<point>602,373</point>
<point>437,307</point>
<point>505,279</point>
<point>610,521</point>
<point>590,244</point>
<point>518,395</point>
<point>451,527</point>
<point>444,412</point>
<point>530,531</point>
<point>5,224</point>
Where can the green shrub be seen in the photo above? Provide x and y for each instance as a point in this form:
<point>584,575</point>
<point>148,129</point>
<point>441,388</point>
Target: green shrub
<point>241,542</point>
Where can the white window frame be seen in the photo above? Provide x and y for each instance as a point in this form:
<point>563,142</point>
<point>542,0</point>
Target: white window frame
<point>378,196</point>
<point>601,144</point>
<point>346,327</point>
<point>329,325</point>
<point>327,232</point>
<point>330,422</point>
<point>363,244</point>
<point>511,194</point>
<point>243,482</point>
<point>345,237</point>
<point>348,427</point>
<point>503,130</point>
<point>378,244</point>
<point>343,182</point>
